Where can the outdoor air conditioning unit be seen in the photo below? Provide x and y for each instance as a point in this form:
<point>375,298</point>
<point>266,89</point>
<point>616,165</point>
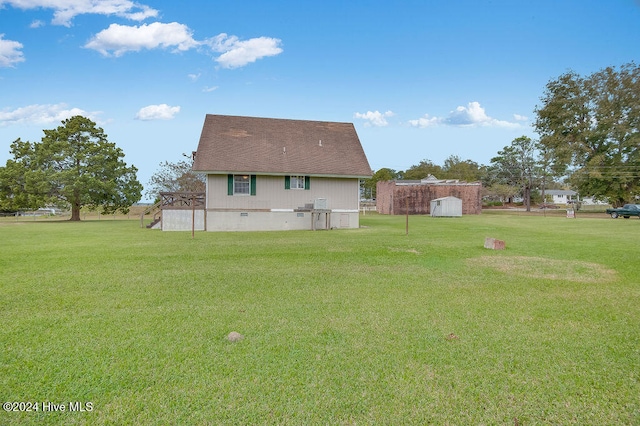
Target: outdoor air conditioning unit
<point>320,204</point>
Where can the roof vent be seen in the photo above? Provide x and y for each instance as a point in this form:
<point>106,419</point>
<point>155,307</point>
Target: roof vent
<point>320,142</point>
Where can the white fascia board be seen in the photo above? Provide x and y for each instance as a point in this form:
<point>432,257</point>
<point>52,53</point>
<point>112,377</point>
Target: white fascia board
<point>218,172</point>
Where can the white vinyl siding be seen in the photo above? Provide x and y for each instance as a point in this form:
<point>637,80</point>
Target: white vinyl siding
<point>340,193</point>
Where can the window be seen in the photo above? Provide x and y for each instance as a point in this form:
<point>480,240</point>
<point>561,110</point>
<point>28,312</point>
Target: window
<point>241,185</point>
<point>297,182</point>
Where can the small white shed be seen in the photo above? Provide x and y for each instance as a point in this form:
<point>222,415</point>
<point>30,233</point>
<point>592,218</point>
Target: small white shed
<point>446,207</point>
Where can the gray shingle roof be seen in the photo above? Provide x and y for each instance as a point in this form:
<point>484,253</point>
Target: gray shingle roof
<point>230,144</point>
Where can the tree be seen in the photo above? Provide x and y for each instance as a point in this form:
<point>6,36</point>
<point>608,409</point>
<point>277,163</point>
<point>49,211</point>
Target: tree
<point>467,170</point>
<point>422,170</point>
<point>19,189</point>
<point>501,191</point>
<point>516,165</point>
<point>591,125</point>
<point>74,165</point>
<point>176,177</point>
<point>369,186</point>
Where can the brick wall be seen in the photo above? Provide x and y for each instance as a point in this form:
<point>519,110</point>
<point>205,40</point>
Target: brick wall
<point>384,197</point>
<point>392,198</point>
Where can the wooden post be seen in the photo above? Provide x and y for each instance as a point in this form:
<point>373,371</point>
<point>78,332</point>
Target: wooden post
<point>193,216</point>
<point>406,209</point>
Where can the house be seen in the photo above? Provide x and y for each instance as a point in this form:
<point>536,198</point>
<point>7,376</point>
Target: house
<point>414,196</point>
<point>561,196</point>
<point>446,207</point>
<point>280,174</point>
<point>592,201</point>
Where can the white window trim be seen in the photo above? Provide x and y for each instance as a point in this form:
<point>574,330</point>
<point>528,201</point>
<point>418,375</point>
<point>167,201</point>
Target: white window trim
<point>241,194</point>
<point>299,180</point>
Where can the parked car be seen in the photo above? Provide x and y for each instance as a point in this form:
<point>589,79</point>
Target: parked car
<point>625,211</point>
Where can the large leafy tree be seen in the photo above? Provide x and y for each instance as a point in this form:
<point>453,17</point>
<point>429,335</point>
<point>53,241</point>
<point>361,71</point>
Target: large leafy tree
<point>500,191</point>
<point>383,174</point>
<point>176,177</point>
<point>456,168</point>
<point>516,165</point>
<point>422,170</point>
<point>74,165</point>
<point>591,125</point>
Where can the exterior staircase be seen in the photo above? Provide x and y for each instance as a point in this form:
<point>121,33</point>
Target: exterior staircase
<point>157,216</point>
<point>155,222</point>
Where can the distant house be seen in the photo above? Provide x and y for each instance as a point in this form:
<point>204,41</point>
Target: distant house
<point>279,174</point>
<point>591,201</point>
<point>415,196</point>
<point>561,196</point>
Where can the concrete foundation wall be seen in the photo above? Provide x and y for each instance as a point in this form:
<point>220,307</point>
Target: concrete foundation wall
<point>181,220</point>
<point>277,220</point>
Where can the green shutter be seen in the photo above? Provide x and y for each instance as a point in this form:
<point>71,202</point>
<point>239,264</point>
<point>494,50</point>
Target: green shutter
<point>307,182</point>
<point>287,182</point>
<point>252,188</point>
<point>229,184</point>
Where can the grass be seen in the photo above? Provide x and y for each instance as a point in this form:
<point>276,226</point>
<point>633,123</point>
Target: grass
<point>366,326</point>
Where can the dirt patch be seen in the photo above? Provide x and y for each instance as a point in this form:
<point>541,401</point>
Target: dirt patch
<point>403,250</point>
<point>546,269</point>
<point>234,336</point>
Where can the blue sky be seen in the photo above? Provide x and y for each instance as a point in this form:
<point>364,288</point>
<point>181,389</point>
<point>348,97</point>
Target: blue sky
<point>419,79</point>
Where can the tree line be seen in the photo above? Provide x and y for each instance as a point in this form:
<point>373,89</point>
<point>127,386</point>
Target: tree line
<point>589,140</point>
<point>515,171</point>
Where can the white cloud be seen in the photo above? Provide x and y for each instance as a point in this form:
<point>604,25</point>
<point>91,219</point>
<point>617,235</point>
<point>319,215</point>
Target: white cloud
<point>194,77</point>
<point>42,114</point>
<point>36,24</point>
<point>425,121</point>
<point>65,10</point>
<point>374,118</point>
<point>473,115</point>
<point>158,112</point>
<point>10,53</point>
<point>121,38</point>
<point>208,89</point>
<point>519,117</point>
<point>238,53</point>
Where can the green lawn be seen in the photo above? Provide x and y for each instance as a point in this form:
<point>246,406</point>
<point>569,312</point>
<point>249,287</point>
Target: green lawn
<point>366,326</point>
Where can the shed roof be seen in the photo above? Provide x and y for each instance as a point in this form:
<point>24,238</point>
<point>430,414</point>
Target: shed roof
<point>235,144</point>
<point>451,198</point>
